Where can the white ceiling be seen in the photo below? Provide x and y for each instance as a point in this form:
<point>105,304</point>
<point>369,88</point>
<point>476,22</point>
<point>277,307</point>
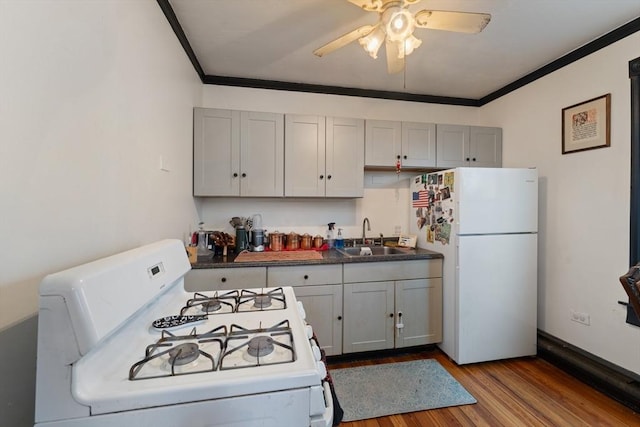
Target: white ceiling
<point>274,39</point>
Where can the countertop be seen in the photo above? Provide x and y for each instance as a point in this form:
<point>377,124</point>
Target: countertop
<point>330,256</point>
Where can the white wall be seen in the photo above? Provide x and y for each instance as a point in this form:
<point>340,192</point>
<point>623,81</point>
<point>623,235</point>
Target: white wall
<point>92,93</point>
<point>584,200</point>
<point>384,202</point>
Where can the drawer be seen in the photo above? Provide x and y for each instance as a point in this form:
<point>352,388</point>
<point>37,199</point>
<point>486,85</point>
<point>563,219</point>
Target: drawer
<point>392,270</point>
<point>305,275</point>
<point>214,279</point>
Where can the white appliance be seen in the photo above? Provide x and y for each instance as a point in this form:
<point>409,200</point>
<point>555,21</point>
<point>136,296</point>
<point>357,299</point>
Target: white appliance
<point>485,222</point>
<point>120,343</point>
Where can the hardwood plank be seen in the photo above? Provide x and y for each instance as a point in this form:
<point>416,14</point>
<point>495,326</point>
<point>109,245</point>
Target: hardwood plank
<point>524,392</point>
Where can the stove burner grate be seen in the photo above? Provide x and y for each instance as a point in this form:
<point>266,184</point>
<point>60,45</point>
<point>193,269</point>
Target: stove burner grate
<point>270,300</point>
<point>218,303</point>
<point>180,351</point>
<point>243,351</point>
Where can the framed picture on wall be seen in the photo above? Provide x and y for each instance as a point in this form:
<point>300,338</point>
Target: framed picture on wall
<point>587,125</point>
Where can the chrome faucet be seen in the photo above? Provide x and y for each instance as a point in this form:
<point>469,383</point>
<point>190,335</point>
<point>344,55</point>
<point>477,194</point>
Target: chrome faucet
<point>366,220</point>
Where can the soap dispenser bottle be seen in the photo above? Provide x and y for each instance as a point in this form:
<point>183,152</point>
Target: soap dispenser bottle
<point>339,243</point>
<point>330,234</point>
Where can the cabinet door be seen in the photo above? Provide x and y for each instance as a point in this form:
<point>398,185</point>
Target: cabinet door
<point>382,142</point>
<point>485,146</point>
<point>216,152</point>
<point>452,146</point>
<point>215,279</point>
<point>344,157</point>
<point>262,154</point>
<point>323,306</point>
<point>419,309</point>
<point>368,316</point>
<point>418,144</point>
<point>304,156</point>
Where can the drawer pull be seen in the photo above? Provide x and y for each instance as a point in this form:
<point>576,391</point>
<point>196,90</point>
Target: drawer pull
<point>224,279</point>
<point>306,276</point>
<point>339,317</point>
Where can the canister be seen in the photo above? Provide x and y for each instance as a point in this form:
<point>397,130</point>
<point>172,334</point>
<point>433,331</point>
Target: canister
<point>293,241</point>
<point>306,241</point>
<point>275,241</point>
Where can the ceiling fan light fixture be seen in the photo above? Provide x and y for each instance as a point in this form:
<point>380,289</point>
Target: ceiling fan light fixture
<point>372,41</point>
<point>398,23</point>
<point>410,44</point>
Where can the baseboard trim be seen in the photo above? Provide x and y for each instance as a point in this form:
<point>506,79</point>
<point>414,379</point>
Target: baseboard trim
<point>611,380</point>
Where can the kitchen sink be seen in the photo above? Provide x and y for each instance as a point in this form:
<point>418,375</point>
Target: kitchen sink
<point>375,250</point>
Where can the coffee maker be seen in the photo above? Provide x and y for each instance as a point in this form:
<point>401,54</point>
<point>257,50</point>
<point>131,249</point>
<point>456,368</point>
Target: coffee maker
<point>256,233</point>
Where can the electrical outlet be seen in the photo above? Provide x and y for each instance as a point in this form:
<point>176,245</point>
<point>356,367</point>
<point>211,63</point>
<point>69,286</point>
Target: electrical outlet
<point>397,230</point>
<point>579,317</point>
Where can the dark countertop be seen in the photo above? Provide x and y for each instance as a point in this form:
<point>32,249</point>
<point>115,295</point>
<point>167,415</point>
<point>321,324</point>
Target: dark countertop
<point>330,256</point>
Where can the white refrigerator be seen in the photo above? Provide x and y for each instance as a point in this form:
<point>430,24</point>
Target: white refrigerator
<point>485,223</point>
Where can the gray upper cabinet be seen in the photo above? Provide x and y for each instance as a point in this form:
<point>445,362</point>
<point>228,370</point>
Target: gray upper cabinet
<point>411,143</point>
<point>324,156</point>
<point>238,153</point>
<point>474,146</point>
<point>383,142</point>
<point>418,144</point>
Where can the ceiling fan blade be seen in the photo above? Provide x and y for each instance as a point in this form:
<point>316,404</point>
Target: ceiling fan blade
<point>461,22</point>
<point>395,59</point>
<point>343,40</point>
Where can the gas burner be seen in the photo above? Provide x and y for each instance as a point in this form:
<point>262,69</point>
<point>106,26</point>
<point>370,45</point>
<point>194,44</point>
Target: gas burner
<point>262,301</point>
<point>183,354</point>
<point>216,304</point>
<point>175,355</point>
<point>248,348</point>
<point>273,299</point>
<point>260,346</point>
<point>211,306</point>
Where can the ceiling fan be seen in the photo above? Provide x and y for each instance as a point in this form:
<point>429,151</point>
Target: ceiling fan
<point>395,28</point>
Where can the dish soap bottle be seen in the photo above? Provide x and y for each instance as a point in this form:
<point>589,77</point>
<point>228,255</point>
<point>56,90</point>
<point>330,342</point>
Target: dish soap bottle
<point>330,234</point>
<point>339,243</point>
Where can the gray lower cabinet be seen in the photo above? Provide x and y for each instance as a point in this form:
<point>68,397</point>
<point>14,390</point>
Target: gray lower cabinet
<point>392,305</point>
<point>215,279</point>
<point>468,146</point>
<point>319,288</point>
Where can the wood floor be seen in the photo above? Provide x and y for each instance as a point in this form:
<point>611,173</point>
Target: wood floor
<point>517,392</point>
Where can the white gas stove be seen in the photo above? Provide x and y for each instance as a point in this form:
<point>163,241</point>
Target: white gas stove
<point>120,342</point>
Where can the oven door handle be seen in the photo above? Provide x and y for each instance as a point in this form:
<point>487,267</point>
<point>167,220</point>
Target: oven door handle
<point>327,417</point>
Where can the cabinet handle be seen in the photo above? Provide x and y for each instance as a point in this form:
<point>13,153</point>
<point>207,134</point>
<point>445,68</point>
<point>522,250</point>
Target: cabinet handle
<point>474,159</point>
<point>390,314</point>
<point>244,175</point>
<point>467,159</point>
<point>224,279</point>
<point>328,176</point>
<point>404,157</point>
<point>321,176</point>
<point>306,276</point>
<point>398,157</point>
<point>339,317</point>
<point>235,175</point>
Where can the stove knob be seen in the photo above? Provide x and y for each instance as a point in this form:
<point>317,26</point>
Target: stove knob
<point>301,310</point>
<point>316,352</point>
<point>322,369</point>
<point>309,331</point>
